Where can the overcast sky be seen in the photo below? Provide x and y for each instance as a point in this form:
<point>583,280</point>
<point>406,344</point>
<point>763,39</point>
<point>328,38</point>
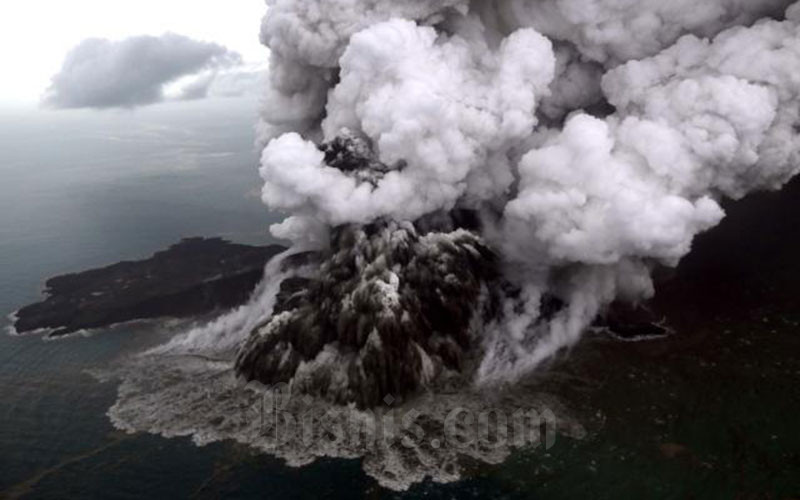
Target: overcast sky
<point>35,35</point>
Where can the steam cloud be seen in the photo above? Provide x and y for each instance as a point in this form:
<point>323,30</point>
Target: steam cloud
<point>594,138</point>
<point>100,73</point>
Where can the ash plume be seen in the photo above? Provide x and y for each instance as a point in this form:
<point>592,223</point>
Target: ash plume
<point>594,140</point>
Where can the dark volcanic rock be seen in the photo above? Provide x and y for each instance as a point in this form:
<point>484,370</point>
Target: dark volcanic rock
<point>627,321</point>
<point>388,312</point>
<point>353,155</point>
<point>194,276</point>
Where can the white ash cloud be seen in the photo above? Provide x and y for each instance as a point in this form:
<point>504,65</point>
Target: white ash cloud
<point>418,98</point>
<point>489,105</point>
<point>614,31</point>
<point>307,39</point>
<point>101,73</point>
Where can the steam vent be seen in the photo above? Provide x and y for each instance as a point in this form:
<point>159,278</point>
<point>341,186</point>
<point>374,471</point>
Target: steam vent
<point>387,311</point>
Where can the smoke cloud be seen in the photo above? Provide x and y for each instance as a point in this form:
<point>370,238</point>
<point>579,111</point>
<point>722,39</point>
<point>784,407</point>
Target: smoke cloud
<point>595,138</point>
<point>100,73</point>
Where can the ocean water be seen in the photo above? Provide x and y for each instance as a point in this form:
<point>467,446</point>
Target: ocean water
<point>83,189</point>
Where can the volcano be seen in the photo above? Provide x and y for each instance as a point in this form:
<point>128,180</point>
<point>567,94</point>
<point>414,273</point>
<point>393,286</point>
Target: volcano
<point>388,308</point>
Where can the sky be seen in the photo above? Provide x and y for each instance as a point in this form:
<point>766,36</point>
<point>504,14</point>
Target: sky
<point>35,35</point>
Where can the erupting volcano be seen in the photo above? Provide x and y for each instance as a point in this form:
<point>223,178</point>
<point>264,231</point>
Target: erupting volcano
<point>387,311</point>
<point>482,179</point>
<point>470,185</point>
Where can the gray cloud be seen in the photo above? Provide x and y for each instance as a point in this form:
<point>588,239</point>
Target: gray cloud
<point>234,82</point>
<point>100,73</point>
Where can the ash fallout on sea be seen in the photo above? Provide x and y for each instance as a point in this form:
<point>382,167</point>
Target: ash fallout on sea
<point>473,183</point>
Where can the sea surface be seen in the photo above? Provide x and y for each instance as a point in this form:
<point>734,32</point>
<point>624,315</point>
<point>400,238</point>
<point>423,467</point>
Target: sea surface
<point>80,189</point>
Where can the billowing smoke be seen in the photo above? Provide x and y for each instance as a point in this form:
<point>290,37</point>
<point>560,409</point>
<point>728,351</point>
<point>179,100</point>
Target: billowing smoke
<point>590,140</point>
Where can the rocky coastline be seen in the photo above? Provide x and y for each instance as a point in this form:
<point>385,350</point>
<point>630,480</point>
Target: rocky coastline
<point>192,277</point>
